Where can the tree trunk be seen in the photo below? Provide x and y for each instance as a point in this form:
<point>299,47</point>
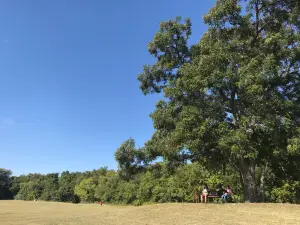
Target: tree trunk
<point>262,188</point>
<point>262,184</point>
<point>247,168</point>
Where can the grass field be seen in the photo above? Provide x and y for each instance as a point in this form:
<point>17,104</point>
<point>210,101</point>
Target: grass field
<point>38,213</point>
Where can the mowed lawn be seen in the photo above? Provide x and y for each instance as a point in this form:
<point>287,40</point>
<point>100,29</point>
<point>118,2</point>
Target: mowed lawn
<point>34,213</point>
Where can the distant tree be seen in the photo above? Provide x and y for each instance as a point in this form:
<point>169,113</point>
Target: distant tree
<point>86,189</point>
<point>101,188</point>
<point>129,158</point>
<point>15,185</point>
<point>5,184</point>
<point>67,182</point>
<point>30,190</point>
<point>50,187</point>
<point>125,155</point>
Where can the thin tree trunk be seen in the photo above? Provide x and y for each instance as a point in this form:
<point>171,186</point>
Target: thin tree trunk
<point>262,188</point>
<point>262,184</point>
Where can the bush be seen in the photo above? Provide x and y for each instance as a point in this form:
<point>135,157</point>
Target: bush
<point>46,196</point>
<point>237,199</point>
<point>76,199</point>
<point>287,193</point>
<point>137,203</point>
<point>19,196</point>
<point>217,200</point>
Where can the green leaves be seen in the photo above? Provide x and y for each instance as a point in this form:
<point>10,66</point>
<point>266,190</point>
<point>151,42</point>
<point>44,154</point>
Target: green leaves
<point>86,189</point>
<point>225,11</point>
<point>5,183</point>
<point>287,193</point>
<point>125,154</point>
<point>170,48</point>
<point>293,147</point>
<point>236,94</point>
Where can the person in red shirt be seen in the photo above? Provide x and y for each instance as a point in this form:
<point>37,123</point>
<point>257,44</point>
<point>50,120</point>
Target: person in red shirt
<point>101,203</point>
<point>227,194</point>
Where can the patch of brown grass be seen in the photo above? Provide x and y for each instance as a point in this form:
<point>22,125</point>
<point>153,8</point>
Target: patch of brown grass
<point>45,213</point>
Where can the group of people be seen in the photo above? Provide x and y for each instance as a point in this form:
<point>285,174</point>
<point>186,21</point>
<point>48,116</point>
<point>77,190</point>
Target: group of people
<point>223,193</point>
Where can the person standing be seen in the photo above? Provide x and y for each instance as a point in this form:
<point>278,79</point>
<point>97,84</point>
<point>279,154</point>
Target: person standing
<point>204,194</point>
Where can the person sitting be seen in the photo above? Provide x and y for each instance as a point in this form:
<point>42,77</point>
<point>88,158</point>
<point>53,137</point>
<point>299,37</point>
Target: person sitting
<point>227,194</point>
<point>204,194</point>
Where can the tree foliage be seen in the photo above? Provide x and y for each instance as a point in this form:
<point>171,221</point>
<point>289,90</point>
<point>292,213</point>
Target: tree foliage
<point>5,184</point>
<point>235,98</point>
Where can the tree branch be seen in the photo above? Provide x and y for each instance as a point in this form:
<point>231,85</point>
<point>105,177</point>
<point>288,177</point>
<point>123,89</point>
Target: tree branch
<point>223,95</point>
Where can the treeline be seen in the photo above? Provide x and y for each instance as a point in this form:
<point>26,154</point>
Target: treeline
<point>155,183</point>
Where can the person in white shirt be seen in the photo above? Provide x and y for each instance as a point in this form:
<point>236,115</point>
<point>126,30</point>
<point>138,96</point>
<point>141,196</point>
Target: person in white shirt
<point>204,194</point>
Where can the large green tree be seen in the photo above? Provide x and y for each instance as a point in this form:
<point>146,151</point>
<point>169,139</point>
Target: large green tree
<point>234,97</point>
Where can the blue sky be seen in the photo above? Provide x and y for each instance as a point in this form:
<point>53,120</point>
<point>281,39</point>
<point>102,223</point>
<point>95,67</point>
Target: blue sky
<point>68,68</point>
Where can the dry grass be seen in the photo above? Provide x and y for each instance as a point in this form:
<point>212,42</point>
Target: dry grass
<point>42,213</point>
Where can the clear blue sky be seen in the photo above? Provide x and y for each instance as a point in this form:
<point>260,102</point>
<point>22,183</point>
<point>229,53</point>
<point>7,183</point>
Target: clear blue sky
<point>68,68</point>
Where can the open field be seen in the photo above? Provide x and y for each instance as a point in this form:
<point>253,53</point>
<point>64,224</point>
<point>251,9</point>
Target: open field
<point>38,213</point>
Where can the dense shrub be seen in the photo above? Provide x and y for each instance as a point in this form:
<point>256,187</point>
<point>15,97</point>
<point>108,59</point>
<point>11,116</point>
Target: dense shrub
<point>137,203</point>
<point>287,193</point>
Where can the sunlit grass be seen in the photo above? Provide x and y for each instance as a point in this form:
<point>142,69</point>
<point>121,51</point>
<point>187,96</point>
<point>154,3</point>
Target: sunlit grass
<point>40,213</point>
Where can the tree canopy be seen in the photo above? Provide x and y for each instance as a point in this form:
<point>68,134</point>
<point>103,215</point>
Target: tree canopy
<point>234,96</point>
